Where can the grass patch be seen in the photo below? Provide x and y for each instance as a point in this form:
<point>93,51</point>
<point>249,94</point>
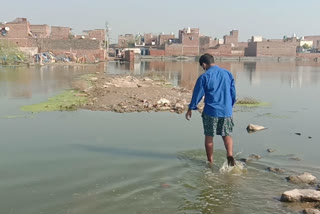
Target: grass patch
<point>250,102</point>
<point>10,54</point>
<point>69,100</point>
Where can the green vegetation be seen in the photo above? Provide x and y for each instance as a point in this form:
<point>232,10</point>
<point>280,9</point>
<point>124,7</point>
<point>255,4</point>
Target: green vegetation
<point>250,102</point>
<point>10,54</point>
<point>306,46</point>
<point>69,100</point>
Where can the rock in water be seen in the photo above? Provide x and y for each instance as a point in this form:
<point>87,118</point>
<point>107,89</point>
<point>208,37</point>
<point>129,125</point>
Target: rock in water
<point>311,211</point>
<point>255,156</point>
<point>306,178</point>
<point>254,128</point>
<point>301,195</point>
<point>295,159</point>
<point>276,170</point>
<point>246,160</point>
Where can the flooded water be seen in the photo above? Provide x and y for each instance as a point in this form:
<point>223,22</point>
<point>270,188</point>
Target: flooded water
<point>102,162</point>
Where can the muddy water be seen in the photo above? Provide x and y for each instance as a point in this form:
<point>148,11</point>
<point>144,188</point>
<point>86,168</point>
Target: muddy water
<point>101,162</point>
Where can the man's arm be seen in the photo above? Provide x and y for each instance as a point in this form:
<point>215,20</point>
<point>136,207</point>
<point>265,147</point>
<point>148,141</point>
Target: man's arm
<point>233,92</point>
<point>198,93</point>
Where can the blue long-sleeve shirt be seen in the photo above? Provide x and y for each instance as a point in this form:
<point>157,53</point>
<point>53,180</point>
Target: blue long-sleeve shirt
<point>217,86</point>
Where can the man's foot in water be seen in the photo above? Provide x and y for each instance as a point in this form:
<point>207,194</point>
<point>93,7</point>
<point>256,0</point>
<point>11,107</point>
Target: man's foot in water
<point>230,161</point>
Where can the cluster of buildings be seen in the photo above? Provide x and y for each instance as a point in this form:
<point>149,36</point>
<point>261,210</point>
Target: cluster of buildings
<point>91,46</point>
<point>34,39</point>
<point>190,42</point>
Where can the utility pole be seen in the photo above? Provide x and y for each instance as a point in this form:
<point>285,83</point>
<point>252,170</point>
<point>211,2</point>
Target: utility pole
<point>107,38</point>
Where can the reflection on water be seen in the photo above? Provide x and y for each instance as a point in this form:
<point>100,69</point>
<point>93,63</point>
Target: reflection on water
<point>101,162</point>
<point>21,82</point>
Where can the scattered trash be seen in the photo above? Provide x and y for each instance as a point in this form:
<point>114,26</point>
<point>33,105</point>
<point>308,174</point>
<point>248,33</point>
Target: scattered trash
<point>49,57</point>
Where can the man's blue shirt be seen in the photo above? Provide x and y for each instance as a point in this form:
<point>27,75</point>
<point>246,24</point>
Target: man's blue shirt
<point>217,86</point>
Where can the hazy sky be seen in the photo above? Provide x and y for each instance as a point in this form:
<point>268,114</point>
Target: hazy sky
<point>269,18</point>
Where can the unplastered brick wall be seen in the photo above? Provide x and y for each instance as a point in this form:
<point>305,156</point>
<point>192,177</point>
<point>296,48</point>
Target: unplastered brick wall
<point>20,42</point>
<point>40,31</point>
<point>74,44</point>
<point>98,34</point>
<point>60,32</point>
<point>181,50</point>
<point>155,52</point>
<point>275,49</point>
<point>98,54</point>
<point>82,47</point>
<point>17,30</point>
<point>221,50</point>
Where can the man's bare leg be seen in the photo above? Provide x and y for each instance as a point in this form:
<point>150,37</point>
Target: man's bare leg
<point>228,143</point>
<point>209,148</point>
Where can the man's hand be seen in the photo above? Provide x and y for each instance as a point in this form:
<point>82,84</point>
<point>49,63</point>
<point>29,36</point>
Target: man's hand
<point>188,114</point>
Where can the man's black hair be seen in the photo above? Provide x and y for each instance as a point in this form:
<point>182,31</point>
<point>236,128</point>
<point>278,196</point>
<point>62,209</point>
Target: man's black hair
<point>207,59</point>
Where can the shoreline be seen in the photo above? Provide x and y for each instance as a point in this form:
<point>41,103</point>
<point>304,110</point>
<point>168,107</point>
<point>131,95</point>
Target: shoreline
<point>147,58</point>
<point>231,58</point>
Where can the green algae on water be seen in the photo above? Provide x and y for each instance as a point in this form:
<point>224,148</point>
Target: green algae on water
<point>69,100</point>
<point>250,102</point>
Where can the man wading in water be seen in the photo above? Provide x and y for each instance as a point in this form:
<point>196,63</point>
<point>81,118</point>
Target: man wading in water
<point>217,87</point>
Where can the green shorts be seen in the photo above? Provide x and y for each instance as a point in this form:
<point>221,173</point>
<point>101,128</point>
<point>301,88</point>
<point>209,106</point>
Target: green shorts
<point>217,125</point>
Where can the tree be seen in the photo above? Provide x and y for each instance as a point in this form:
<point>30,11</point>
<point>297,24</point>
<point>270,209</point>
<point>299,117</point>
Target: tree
<point>306,46</point>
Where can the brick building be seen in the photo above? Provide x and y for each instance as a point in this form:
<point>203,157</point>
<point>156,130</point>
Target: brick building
<point>164,39</point>
<point>232,38</point>
<point>60,32</point>
<point>207,42</point>
<point>220,50</point>
<point>271,49</point>
<point>315,39</point>
<point>189,43</point>
<point>189,36</point>
<point>35,38</point>
<point>19,28</point>
<point>98,34</point>
<point>156,52</point>
<point>150,39</point>
<point>40,31</point>
<point>125,40</point>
